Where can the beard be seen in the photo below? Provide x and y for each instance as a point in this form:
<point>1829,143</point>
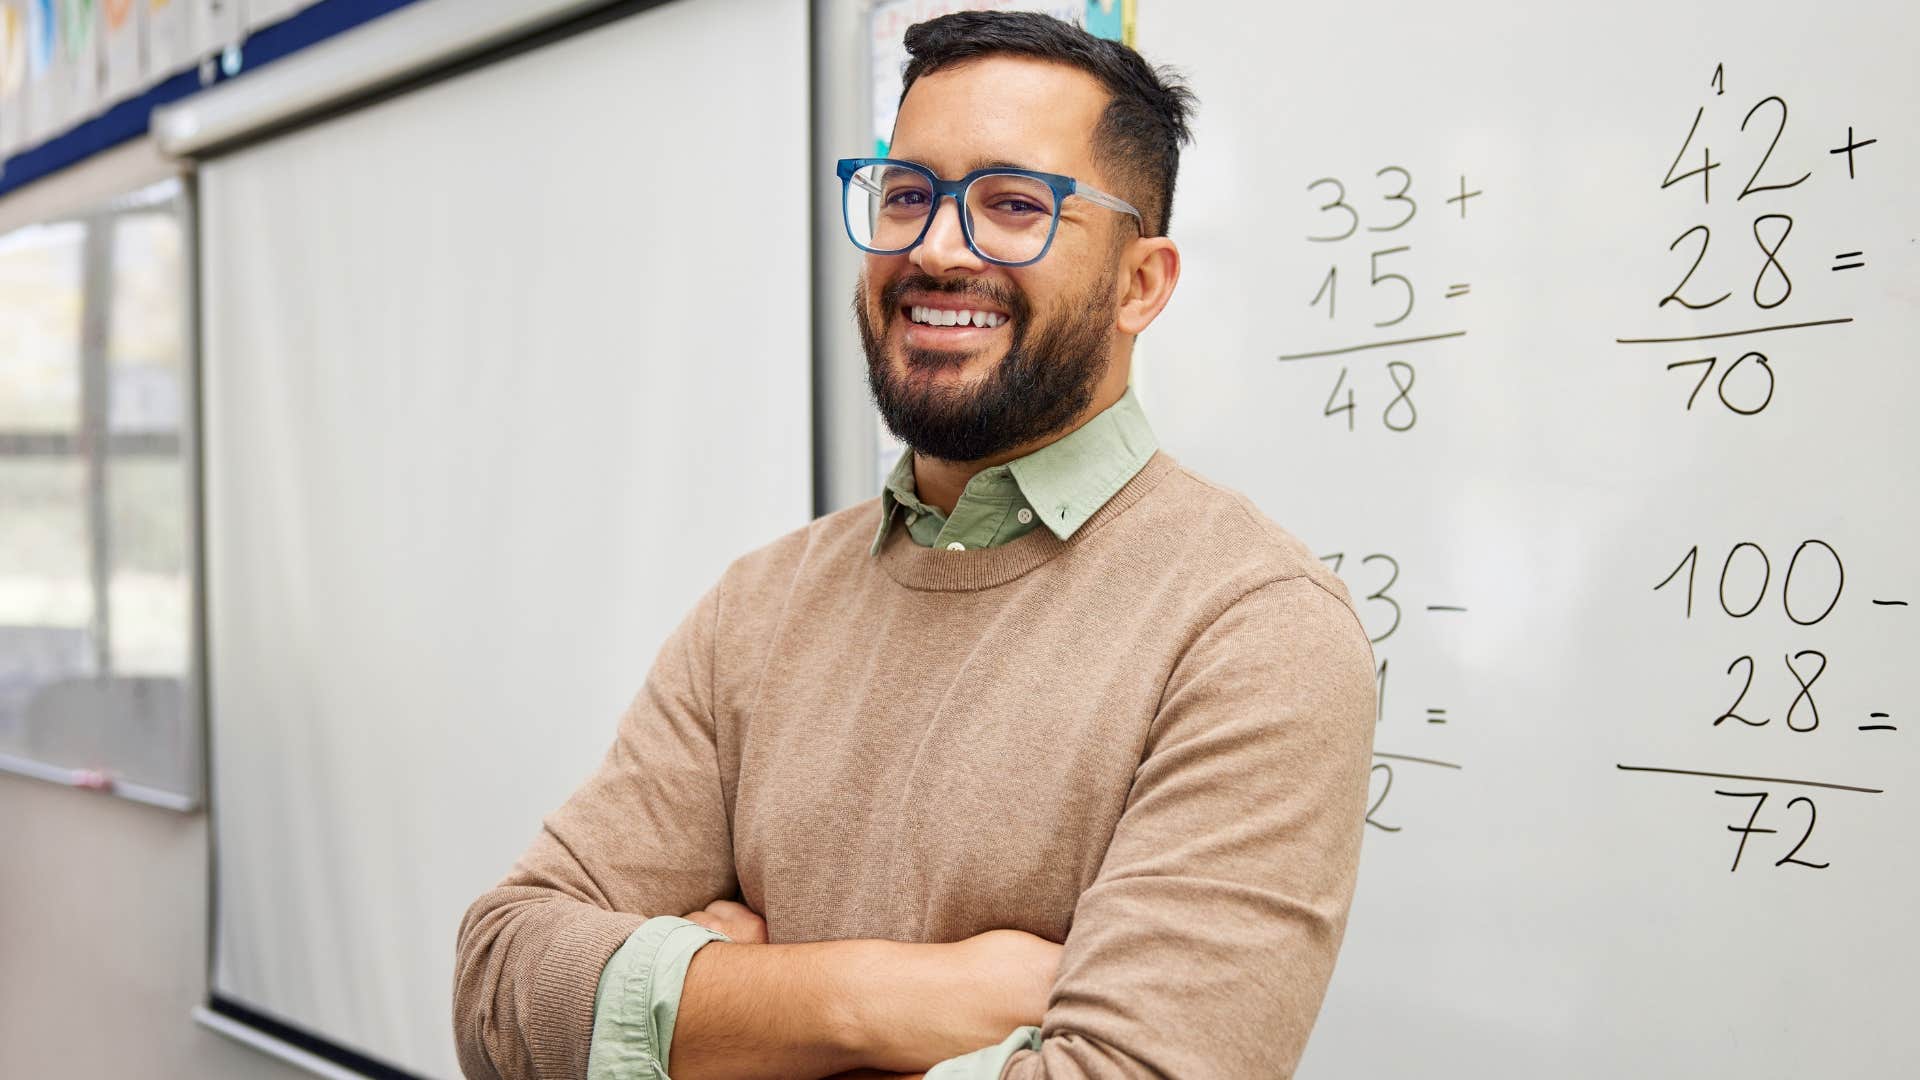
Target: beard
<point>1043,383</point>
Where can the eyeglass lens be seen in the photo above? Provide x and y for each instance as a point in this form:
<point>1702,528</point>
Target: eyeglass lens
<point>1008,215</point>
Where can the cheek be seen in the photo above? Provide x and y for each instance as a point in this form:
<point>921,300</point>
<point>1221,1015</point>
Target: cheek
<point>877,273</point>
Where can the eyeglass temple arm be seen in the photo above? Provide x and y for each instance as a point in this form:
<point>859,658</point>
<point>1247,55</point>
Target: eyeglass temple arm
<point>1111,202</point>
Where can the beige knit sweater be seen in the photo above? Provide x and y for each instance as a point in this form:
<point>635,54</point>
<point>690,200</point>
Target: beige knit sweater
<point>1149,741</point>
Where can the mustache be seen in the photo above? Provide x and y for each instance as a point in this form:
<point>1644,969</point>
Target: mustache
<point>994,292</point>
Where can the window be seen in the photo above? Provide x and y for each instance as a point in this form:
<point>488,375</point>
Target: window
<point>97,640</point>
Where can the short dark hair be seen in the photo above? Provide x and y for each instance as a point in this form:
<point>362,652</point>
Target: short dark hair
<point>1137,141</point>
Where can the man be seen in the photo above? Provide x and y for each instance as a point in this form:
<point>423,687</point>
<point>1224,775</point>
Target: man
<point>1060,771</point>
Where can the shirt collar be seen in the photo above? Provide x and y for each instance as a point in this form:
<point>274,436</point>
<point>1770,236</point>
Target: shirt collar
<point>1064,481</point>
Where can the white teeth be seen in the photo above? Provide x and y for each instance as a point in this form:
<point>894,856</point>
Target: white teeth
<point>947,317</point>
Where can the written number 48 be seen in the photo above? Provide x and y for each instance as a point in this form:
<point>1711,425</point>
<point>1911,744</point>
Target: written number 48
<point>1399,414</point>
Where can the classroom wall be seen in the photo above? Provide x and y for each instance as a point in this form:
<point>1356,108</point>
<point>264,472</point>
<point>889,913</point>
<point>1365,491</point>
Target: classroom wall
<point>103,941</point>
<point>103,902</point>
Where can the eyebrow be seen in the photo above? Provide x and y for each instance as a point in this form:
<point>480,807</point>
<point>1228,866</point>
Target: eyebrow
<point>979,164</point>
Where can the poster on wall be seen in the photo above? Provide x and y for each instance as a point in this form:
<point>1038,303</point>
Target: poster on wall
<point>80,56</point>
<point>45,100</point>
<point>13,75</point>
<point>123,74</point>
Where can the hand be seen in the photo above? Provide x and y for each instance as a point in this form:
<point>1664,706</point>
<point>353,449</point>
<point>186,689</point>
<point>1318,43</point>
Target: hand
<point>736,920</point>
<point>953,999</point>
<point>1012,973</point>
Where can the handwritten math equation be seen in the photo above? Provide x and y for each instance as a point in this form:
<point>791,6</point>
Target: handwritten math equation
<point>1384,299</point>
<point>1733,284</point>
<point>1741,238</point>
<point>1384,611</point>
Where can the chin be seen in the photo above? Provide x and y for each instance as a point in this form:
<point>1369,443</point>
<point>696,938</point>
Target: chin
<point>942,364</point>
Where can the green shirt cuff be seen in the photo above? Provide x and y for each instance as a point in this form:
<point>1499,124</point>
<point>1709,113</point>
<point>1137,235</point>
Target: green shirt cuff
<point>986,1064</point>
<point>639,998</point>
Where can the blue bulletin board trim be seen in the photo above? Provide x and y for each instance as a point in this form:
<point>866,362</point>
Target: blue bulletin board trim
<point>129,119</point>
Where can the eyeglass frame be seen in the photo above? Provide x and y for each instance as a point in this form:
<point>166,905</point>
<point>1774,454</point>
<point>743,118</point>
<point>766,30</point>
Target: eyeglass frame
<point>1061,186</point>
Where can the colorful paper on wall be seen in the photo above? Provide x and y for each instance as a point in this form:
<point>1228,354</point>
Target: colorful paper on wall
<point>123,73</point>
<point>1111,19</point>
<point>13,75</point>
<point>80,50</point>
<point>45,101</point>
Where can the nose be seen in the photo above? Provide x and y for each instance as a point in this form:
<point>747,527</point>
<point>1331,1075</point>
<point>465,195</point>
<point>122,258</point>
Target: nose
<point>944,248</point>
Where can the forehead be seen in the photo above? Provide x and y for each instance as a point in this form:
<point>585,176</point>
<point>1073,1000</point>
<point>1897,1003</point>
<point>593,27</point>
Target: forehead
<point>1001,109</point>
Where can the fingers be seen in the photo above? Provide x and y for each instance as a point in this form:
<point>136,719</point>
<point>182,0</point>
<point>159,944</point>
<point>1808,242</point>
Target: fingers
<point>738,921</point>
<point>706,920</point>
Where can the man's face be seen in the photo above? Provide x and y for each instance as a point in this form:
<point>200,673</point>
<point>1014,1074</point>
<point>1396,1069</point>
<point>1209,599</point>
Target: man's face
<point>964,393</point>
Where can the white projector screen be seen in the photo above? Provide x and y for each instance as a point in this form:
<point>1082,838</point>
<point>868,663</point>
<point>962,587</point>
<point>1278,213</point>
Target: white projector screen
<point>489,402</point>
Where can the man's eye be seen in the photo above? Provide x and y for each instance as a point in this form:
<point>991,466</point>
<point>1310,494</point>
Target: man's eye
<point>1018,206</point>
<point>908,197</point>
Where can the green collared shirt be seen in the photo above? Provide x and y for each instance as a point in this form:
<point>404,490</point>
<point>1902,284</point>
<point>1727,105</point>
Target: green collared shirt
<point>1061,484</point>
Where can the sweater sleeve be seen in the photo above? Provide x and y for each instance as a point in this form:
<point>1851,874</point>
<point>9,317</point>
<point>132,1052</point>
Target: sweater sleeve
<point>1204,945</point>
<point>646,835</point>
<point>638,1002</point>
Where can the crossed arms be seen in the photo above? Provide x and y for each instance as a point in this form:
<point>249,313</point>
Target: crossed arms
<point>1201,950</point>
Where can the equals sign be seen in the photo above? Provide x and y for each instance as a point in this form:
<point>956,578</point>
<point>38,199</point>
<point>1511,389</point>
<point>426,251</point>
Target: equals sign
<point>1436,716</point>
<point>1462,290</point>
<point>1848,265</point>
<point>1878,727</point>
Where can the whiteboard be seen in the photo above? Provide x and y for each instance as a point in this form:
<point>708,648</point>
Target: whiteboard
<point>483,420</point>
<point>1512,482</point>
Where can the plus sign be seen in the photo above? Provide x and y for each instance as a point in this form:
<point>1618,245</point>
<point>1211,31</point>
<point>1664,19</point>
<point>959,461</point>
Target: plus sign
<point>1463,197</point>
<point>1850,148</point>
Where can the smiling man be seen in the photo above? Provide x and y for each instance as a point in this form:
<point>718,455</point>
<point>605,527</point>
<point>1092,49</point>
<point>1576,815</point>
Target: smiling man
<point>1051,761</point>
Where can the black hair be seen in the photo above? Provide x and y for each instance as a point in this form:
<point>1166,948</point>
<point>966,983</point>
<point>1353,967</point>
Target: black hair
<point>1137,141</point>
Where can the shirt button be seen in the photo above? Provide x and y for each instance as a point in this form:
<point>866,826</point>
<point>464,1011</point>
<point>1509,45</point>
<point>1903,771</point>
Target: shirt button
<point>912,516</point>
<point>956,546</point>
<point>1025,516</point>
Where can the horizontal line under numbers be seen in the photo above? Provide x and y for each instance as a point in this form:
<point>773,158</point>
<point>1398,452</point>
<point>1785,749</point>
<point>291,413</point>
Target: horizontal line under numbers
<point>1732,333</point>
<point>1421,760</point>
<point>1739,776</point>
<point>1373,345</point>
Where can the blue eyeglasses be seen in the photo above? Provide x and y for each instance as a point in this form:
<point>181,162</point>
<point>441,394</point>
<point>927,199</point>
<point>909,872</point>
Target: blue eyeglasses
<point>1008,216</point>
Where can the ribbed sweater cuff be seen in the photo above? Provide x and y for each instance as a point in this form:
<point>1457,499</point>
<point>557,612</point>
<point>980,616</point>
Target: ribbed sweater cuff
<point>559,1023</point>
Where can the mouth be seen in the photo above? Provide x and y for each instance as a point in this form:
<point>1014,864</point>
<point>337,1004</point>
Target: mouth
<point>946,325</point>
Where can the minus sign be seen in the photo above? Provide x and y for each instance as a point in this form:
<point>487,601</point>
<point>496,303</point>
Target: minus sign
<point>1891,603</point>
<point>1878,727</point>
<point>1450,607</point>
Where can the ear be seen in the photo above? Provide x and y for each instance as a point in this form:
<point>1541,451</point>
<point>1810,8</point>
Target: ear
<point>1148,271</point>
